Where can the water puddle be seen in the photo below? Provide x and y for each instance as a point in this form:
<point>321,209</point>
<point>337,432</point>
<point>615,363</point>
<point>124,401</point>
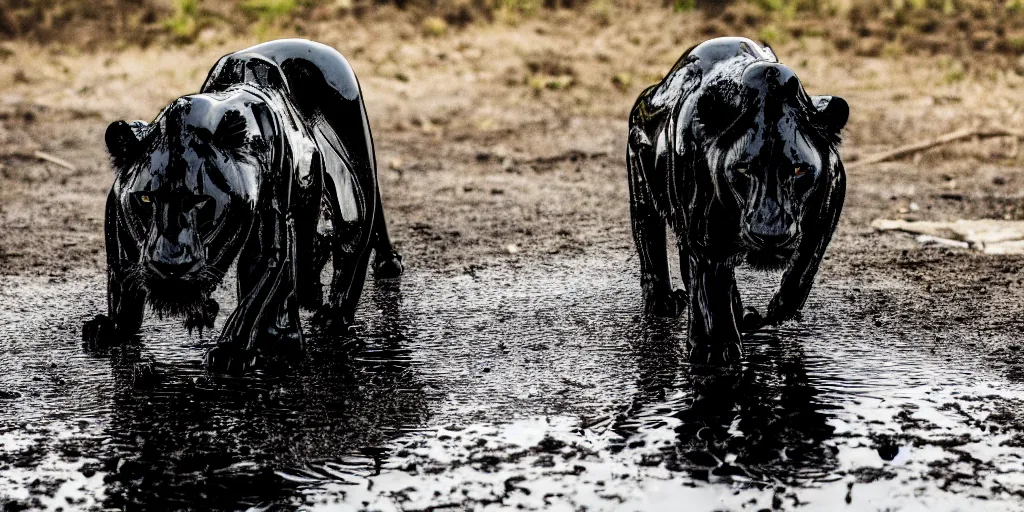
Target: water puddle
<point>533,388</point>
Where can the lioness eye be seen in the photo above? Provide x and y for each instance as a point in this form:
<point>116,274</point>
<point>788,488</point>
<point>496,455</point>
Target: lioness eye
<point>799,170</point>
<point>145,198</point>
<point>742,169</point>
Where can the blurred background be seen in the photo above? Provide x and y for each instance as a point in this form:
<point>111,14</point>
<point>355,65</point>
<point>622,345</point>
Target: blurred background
<point>500,124</point>
<point>862,27</point>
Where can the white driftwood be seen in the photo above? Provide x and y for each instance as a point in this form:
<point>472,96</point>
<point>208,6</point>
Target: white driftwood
<point>986,235</point>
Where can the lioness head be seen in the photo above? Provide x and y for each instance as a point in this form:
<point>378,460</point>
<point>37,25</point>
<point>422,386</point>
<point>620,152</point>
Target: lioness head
<point>186,188</point>
<point>772,150</point>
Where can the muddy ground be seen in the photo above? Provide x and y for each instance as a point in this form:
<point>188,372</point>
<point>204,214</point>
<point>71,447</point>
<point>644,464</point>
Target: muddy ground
<point>515,359</point>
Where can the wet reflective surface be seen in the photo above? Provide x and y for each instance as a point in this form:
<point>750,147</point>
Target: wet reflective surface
<point>538,388</point>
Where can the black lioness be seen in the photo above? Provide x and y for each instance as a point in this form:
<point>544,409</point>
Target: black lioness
<point>743,165</point>
<point>273,163</point>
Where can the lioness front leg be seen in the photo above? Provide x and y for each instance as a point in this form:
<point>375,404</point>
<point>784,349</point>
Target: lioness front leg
<point>125,309</point>
<point>126,302</point>
<point>346,287</point>
<point>799,276</point>
<point>714,327</point>
<point>660,299</point>
<point>266,321</point>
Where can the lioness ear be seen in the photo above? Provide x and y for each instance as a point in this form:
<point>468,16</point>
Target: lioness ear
<point>122,142</point>
<point>835,109</point>
<point>231,131</point>
<point>717,110</point>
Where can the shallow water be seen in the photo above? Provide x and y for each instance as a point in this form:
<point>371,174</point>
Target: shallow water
<point>536,388</point>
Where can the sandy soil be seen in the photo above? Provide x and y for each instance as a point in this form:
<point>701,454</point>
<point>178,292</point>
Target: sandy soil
<point>504,145</point>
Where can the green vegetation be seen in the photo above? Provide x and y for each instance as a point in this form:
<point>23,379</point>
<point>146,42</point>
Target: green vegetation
<point>183,25</point>
<point>684,5</point>
<point>268,11</point>
<point>435,26</point>
<point>882,28</point>
<point>772,35</point>
<point>521,7</point>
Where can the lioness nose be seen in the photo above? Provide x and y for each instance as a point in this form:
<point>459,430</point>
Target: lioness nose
<point>771,240</point>
<point>171,270</point>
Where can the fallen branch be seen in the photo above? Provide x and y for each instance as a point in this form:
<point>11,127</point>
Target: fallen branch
<point>46,157</point>
<point>917,147</point>
<point>52,159</point>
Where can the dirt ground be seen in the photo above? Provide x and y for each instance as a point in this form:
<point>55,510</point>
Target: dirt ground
<point>504,145</point>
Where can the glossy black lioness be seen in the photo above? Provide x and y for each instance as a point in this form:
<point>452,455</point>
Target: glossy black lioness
<point>271,165</point>
<point>730,151</point>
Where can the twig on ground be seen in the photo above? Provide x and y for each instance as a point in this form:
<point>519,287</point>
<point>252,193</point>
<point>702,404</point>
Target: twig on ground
<point>52,159</point>
<point>917,147</point>
<point>41,156</point>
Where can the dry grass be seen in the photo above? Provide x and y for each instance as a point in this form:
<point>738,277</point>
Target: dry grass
<point>479,129</point>
<point>862,27</point>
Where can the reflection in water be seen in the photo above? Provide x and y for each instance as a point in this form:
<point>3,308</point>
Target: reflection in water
<point>180,437</point>
<point>839,412</point>
<point>760,421</point>
<point>536,388</point>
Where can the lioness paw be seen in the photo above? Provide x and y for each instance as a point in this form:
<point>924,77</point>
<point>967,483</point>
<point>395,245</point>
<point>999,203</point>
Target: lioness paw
<point>233,360</point>
<point>388,266</point>
<point>751,320</point>
<point>669,304</point>
<point>204,319</point>
<point>99,333</point>
<point>779,313</point>
<point>717,354</point>
<point>224,359</point>
<point>333,321</point>
<point>274,347</point>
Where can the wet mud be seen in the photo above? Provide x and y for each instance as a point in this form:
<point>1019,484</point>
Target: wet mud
<point>512,388</point>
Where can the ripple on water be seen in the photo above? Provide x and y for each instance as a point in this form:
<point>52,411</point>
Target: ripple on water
<point>539,388</point>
